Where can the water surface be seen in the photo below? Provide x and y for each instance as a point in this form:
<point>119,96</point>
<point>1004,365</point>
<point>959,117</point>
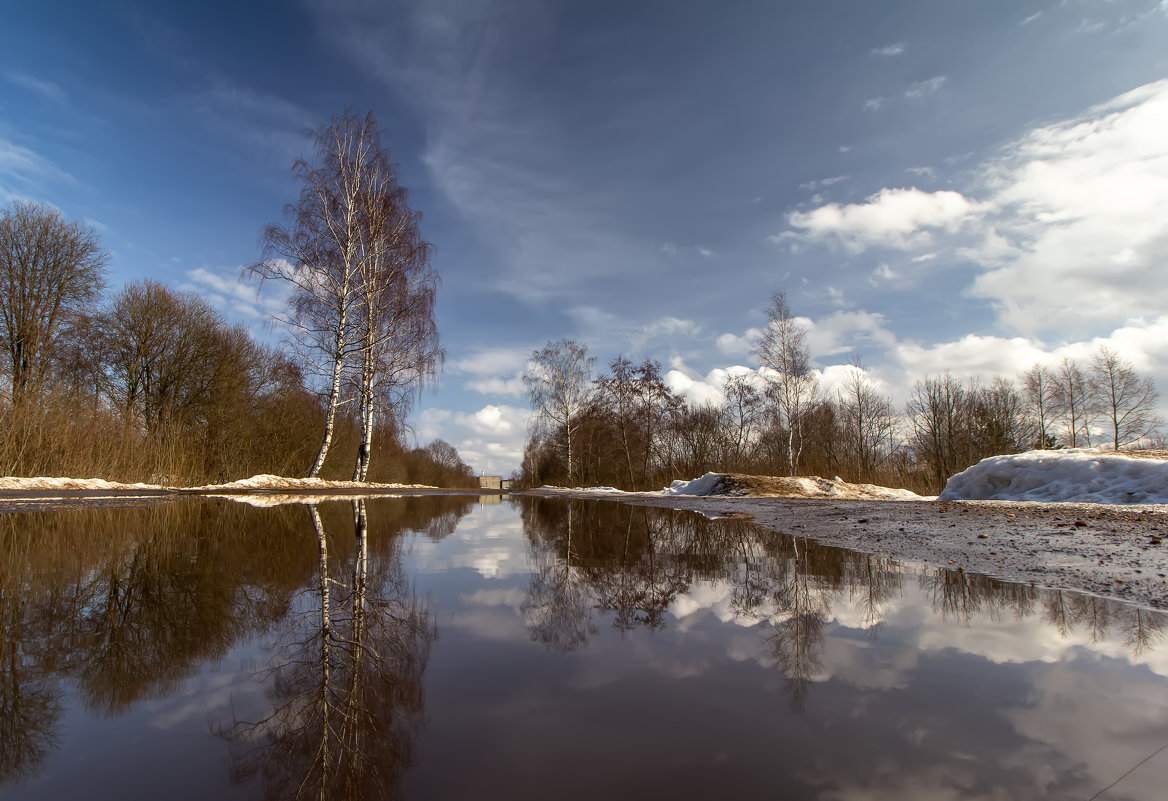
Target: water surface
<point>446,647</point>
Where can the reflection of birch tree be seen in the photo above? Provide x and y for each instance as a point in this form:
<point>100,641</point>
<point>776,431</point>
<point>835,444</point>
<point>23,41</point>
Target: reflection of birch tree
<point>558,606</point>
<point>797,628</point>
<point>30,708</point>
<point>347,686</point>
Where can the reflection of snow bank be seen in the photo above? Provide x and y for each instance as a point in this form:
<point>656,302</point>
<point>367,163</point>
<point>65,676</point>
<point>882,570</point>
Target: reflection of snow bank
<point>1067,476</point>
<point>709,484</point>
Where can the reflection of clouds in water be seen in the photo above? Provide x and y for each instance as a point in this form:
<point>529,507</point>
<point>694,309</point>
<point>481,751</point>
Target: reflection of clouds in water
<point>1124,724</point>
<point>494,622</point>
<point>488,542</point>
<point>717,598</point>
<point>207,694</point>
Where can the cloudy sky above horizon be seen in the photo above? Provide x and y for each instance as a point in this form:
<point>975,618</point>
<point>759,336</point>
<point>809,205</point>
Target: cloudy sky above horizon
<point>970,186</point>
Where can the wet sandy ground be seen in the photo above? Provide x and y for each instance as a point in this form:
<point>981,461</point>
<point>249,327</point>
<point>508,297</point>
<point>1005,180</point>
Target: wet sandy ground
<point>1116,551</point>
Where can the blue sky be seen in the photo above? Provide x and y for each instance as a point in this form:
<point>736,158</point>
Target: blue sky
<point>972,186</point>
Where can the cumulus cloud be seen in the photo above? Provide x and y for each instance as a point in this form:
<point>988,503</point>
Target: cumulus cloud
<point>1083,229</point>
<point>891,218</point>
<point>489,439</point>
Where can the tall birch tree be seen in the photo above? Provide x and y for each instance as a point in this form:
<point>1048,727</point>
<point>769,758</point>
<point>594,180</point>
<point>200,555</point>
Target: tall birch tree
<point>559,385</point>
<point>782,352</point>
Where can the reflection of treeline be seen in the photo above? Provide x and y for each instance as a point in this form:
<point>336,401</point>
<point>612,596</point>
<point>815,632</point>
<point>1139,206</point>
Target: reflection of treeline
<point>125,603</point>
<point>634,562</point>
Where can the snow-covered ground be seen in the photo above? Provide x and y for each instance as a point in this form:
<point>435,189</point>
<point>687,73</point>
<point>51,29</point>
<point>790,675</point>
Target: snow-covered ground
<point>263,482</point>
<point>1075,476</point>
<point>1069,476</point>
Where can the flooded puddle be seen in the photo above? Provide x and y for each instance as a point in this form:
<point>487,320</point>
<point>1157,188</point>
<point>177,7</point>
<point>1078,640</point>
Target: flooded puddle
<point>441,647</point>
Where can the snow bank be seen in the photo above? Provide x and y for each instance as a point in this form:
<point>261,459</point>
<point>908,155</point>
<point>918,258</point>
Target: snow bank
<point>266,481</point>
<point>709,484</point>
<point>52,483</point>
<point>260,482</point>
<point>1076,476</point>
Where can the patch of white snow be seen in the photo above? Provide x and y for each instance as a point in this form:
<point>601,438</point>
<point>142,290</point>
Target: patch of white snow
<point>1072,476</point>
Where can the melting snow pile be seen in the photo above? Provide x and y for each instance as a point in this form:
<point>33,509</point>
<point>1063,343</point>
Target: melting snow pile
<point>1066,476</point>
<point>49,483</point>
<point>709,484</point>
<point>270,482</point>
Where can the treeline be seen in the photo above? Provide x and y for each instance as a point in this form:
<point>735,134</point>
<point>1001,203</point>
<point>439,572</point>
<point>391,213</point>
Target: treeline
<point>151,384</point>
<point>626,428</point>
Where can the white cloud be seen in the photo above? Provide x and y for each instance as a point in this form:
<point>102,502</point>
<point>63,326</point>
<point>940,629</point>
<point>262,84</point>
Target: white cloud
<point>492,361</point>
<point>847,332</point>
<point>236,297</point>
<point>489,439</point>
<point>44,88</point>
<point>1031,18</point>
<point>895,49</point>
<point>894,218</point>
<point>22,168</point>
<point>1082,237</point>
<point>922,89</point>
<point>874,103</point>
<point>813,185</point>
<point>924,172</point>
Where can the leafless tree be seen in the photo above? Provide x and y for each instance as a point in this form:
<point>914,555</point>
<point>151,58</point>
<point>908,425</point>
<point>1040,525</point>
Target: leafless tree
<point>782,351</point>
<point>319,252</point>
<point>50,270</point>
<point>1074,403</point>
<point>938,412</point>
<point>866,421</point>
<point>1040,390</point>
<point>742,408</point>
<point>559,385</point>
<point>398,337</point>
<point>1126,399</point>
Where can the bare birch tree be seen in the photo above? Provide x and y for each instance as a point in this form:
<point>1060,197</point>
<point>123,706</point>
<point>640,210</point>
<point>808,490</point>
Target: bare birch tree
<point>1074,403</point>
<point>559,385</point>
<point>781,350</point>
<point>1126,399</point>
<point>50,270</point>
<point>1040,392</point>
<point>398,339</point>
<point>319,252</point>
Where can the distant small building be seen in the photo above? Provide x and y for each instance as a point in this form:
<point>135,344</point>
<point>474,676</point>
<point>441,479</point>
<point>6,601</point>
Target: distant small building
<point>506,484</point>
<point>491,482</point>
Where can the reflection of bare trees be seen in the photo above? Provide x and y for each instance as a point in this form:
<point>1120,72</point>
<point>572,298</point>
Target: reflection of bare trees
<point>30,704</point>
<point>347,688</point>
<point>123,604</point>
<point>558,606</point>
<point>631,563</point>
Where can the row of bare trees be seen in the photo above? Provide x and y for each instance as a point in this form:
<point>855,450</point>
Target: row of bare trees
<point>627,428</point>
<point>154,384</point>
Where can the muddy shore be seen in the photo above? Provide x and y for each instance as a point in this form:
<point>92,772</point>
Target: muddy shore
<point>1114,551</point>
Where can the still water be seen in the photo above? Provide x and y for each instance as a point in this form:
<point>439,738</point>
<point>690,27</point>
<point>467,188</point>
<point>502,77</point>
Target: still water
<point>447,647</point>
